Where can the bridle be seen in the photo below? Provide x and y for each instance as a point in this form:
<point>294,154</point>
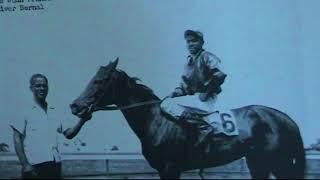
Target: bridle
<point>93,107</point>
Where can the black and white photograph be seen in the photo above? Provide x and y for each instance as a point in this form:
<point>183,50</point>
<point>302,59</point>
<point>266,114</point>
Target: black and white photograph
<point>165,89</point>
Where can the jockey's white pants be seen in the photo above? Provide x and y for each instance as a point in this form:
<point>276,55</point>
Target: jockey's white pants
<point>174,106</point>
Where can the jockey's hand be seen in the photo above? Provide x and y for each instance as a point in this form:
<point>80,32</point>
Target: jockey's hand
<point>176,93</point>
<point>172,95</point>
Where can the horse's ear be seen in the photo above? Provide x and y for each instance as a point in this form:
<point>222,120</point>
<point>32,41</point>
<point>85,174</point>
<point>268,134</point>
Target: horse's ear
<point>108,64</point>
<point>115,63</point>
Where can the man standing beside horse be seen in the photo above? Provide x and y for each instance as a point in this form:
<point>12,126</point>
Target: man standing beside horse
<point>36,134</point>
<point>200,84</point>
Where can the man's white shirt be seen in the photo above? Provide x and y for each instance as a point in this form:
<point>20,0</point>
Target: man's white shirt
<point>42,133</point>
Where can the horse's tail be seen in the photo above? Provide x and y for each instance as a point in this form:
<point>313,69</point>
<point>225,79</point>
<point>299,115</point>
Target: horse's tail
<point>299,158</point>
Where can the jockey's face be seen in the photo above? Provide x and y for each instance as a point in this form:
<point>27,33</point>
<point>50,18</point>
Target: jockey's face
<point>194,44</point>
<point>39,88</point>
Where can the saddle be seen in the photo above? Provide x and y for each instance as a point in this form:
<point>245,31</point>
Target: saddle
<point>222,122</point>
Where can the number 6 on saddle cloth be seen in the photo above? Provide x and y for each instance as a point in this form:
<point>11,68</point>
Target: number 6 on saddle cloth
<point>222,121</point>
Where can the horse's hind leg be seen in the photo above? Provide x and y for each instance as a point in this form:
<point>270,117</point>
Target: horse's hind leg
<point>290,160</point>
<point>282,169</point>
<point>259,167</point>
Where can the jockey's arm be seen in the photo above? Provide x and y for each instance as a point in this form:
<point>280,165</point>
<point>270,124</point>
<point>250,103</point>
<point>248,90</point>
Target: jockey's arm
<point>177,92</point>
<point>216,80</point>
<point>216,75</point>
<point>182,90</point>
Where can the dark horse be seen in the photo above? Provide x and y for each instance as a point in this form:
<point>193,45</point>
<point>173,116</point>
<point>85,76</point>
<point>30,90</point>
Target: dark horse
<point>269,139</point>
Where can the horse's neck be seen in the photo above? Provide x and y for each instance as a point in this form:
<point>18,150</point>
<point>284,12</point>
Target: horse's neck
<point>137,117</point>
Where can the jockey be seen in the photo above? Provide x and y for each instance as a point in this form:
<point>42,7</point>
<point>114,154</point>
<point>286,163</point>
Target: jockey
<point>200,84</point>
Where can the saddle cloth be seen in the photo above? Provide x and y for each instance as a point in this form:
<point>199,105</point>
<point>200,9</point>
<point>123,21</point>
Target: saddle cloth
<point>222,120</point>
<point>212,113</point>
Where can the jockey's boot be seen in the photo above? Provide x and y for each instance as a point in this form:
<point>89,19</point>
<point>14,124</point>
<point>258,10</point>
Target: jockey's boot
<point>205,131</point>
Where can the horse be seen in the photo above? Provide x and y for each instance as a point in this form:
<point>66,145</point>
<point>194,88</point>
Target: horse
<point>269,139</point>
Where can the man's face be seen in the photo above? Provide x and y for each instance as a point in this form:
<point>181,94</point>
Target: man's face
<point>39,88</point>
<point>194,44</point>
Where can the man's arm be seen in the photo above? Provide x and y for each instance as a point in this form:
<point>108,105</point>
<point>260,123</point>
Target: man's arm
<point>18,139</point>
<point>72,132</point>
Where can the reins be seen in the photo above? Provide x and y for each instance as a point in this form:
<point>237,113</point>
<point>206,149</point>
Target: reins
<point>92,108</point>
<point>114,107</point>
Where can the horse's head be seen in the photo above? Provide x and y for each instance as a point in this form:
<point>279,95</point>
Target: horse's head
<point>97,93</point>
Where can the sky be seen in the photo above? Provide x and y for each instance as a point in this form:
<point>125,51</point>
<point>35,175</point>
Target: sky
<point>269,49</point>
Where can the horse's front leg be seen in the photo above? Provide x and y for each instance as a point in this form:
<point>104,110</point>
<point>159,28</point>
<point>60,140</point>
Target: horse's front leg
<point>170,171</point>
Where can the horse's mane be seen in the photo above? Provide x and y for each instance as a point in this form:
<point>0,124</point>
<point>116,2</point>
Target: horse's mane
<point>138,89</point>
